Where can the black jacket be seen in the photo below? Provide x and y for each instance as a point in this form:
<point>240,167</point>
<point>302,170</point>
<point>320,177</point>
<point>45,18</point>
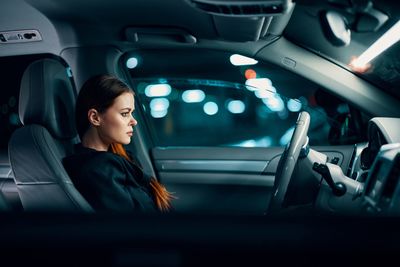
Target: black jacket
<point>108,181</point>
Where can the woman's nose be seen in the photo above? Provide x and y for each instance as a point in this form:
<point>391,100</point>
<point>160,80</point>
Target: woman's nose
<point>133,122</point>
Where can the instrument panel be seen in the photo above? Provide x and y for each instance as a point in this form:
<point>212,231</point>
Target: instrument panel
<point>382,158</point>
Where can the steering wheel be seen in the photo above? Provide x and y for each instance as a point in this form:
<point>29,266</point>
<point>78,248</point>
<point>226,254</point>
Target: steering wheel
<point>288,161</point>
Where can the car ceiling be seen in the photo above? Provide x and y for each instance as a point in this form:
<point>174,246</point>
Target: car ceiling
<point>93,22</point>
<point>72,23</point>
<point>117,14</point>
<point>304,27</point>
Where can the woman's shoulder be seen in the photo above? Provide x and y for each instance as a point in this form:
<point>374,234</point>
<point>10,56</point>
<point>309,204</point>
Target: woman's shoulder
<point>87,156</point>
<point>86,166</point>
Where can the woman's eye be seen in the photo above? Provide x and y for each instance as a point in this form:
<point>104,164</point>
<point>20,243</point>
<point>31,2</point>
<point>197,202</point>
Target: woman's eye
<point>125,114</point>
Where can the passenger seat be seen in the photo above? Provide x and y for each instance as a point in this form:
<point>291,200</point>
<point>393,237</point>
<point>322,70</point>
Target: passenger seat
<point>36,150</point>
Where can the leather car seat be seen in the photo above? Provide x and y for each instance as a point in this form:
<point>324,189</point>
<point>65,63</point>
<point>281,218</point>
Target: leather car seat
<point>36,150</point>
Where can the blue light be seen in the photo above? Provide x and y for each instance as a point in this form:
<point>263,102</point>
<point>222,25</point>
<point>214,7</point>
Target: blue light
<point>247,143</point>
<point>239,60</point>
<point>157,90</point>
<point>159,104</point>
<point>264,142</point>
<point>158,113</point>
<point>210,108</point>
<point>294,105</point>
<point>131,63</point>
<point>193,96</point>
<point>236,106</point>
<point>14,119</point>
<point>259,84</point>
<point>261,142</point>
<point>343,108</point>
<point>69,72</point>
<point>285,139</point>
<point>262,93</point>
<point>274,103</point>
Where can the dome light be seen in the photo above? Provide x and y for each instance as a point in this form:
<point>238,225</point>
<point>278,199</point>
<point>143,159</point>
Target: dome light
<point>131,63</point>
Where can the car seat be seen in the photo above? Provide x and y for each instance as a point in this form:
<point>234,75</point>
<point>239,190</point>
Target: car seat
<point>36,150</point>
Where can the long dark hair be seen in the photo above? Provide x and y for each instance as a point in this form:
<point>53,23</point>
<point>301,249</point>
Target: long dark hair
<point>99,92</point>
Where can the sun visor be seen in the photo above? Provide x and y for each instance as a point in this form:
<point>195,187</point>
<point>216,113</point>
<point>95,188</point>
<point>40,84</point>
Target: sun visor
<point>140,34</point>
<point>240,29</point>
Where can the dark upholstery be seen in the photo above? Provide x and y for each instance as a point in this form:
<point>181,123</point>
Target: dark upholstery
<point>46,108</point>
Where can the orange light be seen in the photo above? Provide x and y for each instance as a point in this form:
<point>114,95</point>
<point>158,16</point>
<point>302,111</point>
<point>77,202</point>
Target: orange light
<point>250,74</point>
<point>360,68</point>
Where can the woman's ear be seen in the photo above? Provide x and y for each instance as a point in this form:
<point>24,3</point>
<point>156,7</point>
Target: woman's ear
<point>94,117</point>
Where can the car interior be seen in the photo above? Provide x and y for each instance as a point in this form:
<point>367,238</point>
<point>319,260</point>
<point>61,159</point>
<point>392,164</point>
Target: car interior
<point>271,121</point>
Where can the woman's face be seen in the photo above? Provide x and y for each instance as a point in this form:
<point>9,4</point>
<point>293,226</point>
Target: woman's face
<point>117,122</point>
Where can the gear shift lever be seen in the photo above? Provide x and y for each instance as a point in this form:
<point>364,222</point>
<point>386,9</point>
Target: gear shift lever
<point>339,188</point>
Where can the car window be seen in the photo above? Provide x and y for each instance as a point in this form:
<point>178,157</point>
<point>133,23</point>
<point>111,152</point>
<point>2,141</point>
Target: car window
<point>202,99</point>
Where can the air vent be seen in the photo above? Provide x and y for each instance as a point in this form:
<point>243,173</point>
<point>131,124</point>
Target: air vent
<point>242,8</point>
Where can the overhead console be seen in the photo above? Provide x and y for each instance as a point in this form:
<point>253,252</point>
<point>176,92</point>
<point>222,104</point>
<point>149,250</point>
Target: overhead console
<point>243,8</point>
<point>249,20</point>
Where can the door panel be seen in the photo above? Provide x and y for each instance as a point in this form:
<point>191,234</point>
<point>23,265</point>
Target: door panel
<point>227,180</point>
<point>223,180</point>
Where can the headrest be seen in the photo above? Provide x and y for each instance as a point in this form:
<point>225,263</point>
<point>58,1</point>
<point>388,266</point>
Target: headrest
<point>47,98</point>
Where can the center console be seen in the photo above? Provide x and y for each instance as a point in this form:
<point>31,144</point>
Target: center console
<point>372,184</point>
<point>382,191</point>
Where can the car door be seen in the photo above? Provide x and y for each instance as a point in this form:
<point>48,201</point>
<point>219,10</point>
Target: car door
<point>222,180</point>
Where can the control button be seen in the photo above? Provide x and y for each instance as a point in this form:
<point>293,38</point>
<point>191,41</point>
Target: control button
<point>335,160</point>
<point>2,38</point>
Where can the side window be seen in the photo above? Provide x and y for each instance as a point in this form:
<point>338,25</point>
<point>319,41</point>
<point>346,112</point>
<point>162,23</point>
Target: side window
<point>194,98</point>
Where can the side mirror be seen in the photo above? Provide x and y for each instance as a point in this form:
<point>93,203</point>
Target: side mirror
<point>335,28</point>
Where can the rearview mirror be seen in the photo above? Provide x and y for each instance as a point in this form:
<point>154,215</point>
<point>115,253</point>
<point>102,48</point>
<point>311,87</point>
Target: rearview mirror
<point>335,28</point>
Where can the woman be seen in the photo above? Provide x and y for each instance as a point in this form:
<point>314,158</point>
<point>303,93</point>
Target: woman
<point>101,169</point>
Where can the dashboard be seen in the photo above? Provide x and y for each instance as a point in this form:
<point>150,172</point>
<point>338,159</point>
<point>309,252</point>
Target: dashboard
<point>372,183</point>
<point>381,131</point>
<point>382,158</point>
